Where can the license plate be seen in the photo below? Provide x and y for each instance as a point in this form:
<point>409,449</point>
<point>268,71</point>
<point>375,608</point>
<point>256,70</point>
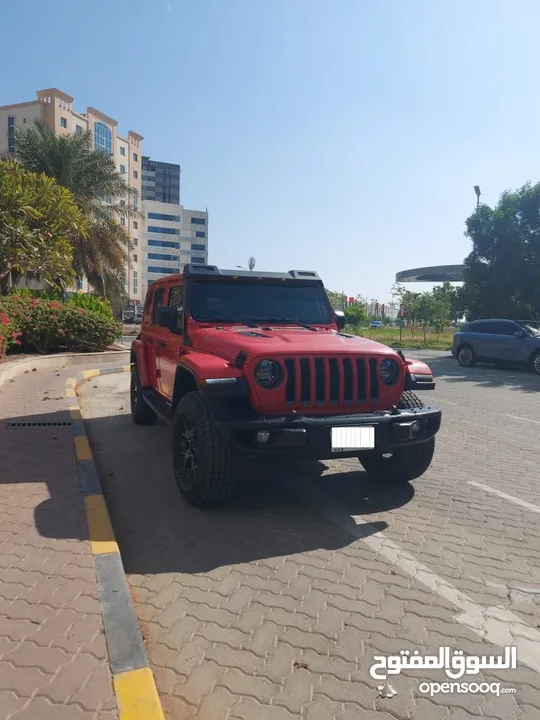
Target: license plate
<point>353,438</point>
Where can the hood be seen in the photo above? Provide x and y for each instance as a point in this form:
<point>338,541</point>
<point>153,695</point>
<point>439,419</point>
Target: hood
<point>227,342</point>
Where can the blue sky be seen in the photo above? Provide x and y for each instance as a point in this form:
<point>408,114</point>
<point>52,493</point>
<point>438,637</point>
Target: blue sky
<point>343,136</point>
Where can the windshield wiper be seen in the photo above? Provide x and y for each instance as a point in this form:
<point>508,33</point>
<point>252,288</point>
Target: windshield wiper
<point>247,323</point>
<point>288,321</point>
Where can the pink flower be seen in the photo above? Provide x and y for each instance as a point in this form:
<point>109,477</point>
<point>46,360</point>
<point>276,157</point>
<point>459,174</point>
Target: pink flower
<point>80,310</point>
<point>4,319</point>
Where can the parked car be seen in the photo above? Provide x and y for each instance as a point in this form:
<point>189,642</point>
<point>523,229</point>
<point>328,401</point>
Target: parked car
<point>506,341</point>
<point>245,364</point>
<point>375,324</point>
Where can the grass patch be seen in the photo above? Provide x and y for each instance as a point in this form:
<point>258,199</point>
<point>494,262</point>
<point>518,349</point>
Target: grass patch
<point>415,339</point>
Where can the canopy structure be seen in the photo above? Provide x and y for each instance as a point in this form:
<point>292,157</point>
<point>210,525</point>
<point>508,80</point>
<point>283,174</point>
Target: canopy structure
<point>435,273</point>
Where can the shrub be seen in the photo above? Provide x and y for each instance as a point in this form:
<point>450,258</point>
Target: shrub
<point>50,326</point>
<point>92,303</point>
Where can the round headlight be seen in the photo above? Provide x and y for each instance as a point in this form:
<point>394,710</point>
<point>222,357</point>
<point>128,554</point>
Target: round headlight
<point>389,371</point>
<point>267,373</point>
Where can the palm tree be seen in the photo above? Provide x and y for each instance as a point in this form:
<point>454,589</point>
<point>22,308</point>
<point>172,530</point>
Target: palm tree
<point>98,188</point>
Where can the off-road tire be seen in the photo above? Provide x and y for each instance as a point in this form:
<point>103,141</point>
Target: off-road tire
<point>465,356</point>
<point>212,482</point>
<point>535,362</point>
<point>141,412</point>
<point>405,464</point>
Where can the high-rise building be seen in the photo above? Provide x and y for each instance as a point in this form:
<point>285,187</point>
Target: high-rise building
<point>160,181</point>
<point>55,109</point>
<point>172,237</point>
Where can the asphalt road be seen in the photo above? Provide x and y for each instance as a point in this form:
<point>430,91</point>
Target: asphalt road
<point>274,607</point>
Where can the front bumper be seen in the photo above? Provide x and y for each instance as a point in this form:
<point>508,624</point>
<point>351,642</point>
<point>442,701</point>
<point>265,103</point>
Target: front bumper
<point>309,437</point>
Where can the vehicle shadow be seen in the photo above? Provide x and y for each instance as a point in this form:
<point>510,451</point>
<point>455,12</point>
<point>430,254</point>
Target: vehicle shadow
<point>158,532</point>
<point>484,375</point>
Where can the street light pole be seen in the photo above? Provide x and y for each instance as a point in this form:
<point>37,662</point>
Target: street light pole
<point>477,191</point>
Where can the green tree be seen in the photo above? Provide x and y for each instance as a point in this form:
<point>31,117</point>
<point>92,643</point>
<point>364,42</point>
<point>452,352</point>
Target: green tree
<point>99,190</point>
<point>356,314</point>
<point>502,271</point>
<point>38,218</point>
<point>251,263</point>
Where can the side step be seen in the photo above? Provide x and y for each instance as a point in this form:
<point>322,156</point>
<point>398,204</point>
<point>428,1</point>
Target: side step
<point>159,405</point>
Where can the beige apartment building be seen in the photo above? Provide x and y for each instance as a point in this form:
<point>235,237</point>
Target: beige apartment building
<point>55,109</point>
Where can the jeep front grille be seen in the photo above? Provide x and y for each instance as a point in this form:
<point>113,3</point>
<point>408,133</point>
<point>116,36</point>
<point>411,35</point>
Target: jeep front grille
<point>331,381</point>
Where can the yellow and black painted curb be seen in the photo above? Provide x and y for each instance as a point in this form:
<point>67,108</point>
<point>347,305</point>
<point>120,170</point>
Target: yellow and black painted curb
<point>133,680</point>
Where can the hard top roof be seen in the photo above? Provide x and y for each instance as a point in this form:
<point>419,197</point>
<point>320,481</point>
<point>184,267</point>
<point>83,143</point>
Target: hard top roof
<point>212,271</point>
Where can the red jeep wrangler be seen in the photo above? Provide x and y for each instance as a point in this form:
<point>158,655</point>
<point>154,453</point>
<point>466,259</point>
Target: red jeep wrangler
<point>256,364</point>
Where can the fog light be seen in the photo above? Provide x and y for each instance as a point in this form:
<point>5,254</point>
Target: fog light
<point>416,427</point>
<point>262,437</point>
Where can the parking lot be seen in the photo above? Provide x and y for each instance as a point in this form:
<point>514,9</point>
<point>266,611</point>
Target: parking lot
<point>274,606</point>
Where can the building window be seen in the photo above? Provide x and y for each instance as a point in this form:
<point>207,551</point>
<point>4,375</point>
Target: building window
<point>164,230</point>
<point>196,246</point>
<point>78,129</point>
<point>135,275</point>
<point>200,234</point>
<point>198,221</point>
<point>162,216</point>
<point>123,169</point>
<point>102,138</point>
<point>122,150</point>
<point>135,242</point>
<point>63,122</point>
<point>135,287</point>
<point>11,133</point>
<point>135,225</point>
<point>163,271</point>
<point>135,157</point>
<point>195,259</point>
<point>135,174</point>
<point>164,244</point>
<point>135,259</point>
<point>135,198</point>
<point>122,221</point>
<point>161,256</point>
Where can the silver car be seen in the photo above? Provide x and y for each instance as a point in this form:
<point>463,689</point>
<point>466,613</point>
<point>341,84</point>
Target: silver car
<point>504,341</point>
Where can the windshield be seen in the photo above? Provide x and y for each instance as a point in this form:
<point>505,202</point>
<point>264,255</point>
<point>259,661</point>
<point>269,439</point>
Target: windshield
<point>259,302</point>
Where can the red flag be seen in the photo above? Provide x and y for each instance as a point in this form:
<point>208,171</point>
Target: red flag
<point>351,301</point>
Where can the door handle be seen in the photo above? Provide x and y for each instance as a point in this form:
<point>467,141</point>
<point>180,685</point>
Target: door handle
<point>162,344</point>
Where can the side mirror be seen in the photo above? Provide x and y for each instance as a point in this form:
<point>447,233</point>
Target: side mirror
<point>167,317</point>
<point>340,319</point>
<point>519,334</point>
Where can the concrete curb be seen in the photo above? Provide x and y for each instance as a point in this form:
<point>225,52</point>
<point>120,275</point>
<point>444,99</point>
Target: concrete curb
<point>133,680</point>
<point>12,368</point>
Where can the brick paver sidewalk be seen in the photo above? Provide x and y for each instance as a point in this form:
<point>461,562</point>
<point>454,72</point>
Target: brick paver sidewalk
<point>53,659</point>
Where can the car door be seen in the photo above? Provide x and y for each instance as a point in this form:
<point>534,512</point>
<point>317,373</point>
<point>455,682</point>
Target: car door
<point>156,336</point>
<point>147,337</point>
<point>507,347</point>
<point>488,343</point>
<point>171,344</point>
